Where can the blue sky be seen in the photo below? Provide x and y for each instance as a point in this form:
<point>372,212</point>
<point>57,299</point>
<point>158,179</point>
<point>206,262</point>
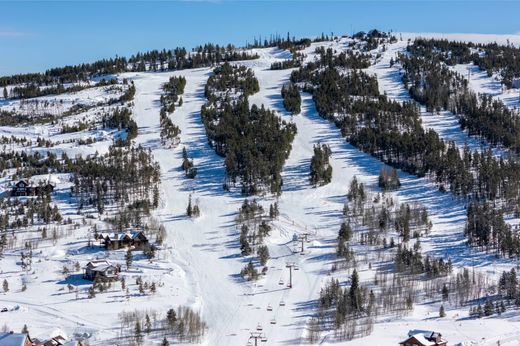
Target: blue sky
<point>37,35</point>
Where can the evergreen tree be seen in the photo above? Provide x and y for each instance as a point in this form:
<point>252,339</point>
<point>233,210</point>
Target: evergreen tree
<point>263,254</point>
<point>138,334</point>
<point>445,292</point>
<point>442,313</point>
<point>128,258</point>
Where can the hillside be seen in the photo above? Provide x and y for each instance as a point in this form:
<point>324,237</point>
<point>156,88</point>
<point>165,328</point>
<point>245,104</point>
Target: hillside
<point>114,168</point>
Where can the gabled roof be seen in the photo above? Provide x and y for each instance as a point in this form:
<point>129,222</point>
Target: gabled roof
<point>23,181</point>
<point>102,268</point>
<point>425,337</point>
<point>97,263</point>
<point>121,235</point>
<point>12,339</point>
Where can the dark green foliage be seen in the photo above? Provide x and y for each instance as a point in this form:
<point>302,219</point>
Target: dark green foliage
<point>121,118</point>
<point>254,141</point>
<point>187,165</point>
<point>442,313</point>
<point>245,248</point>
<point>486,227</point>
<point>172,90</point>
<point>169,131</point>
<point>291,98</point>
<point>411,261</point>
<point>263,254</point>
<point>389,179</point>
<point>490,57</point>
<point>249,272</point>
<point>126,176</point>
<point>508,284</point>
<point>321,170</point>
<point>435,85</point>
<point>392,132</point>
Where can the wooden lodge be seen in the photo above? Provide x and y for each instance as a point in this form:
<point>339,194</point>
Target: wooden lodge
<point>100,270</point>
<point>25,188</point>
<point>134,240</point>
<point>424,338</point>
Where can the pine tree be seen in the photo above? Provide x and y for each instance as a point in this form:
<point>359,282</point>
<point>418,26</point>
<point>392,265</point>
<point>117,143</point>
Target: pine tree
<point>138,333</point>
<point>91,292</point>
<point>25,330</point>
<point>189,208</point>
<point>171,318</point>
<point>354,291</point>
<point>445,292</point>
<point>442,313</point>
<point>165,342</point>
<point>5,93</point>
<point>488,308</point>
<point>263,254</point>
<point>5,285</point>
<point>128,258</point>
<point>148,324</point>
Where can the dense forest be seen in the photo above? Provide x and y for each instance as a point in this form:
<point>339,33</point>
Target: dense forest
<point>321,170</point>
<point>292,100</point>
<point>503,60</point>
<point>432,83</point>
<point>393,133</point>
<point>254,141</point>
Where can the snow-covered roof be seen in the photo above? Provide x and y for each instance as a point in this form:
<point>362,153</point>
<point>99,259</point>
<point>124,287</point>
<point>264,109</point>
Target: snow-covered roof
<point>98,263</point>
<point>70,343</point>
<point>121,235</point>
<point>12,339</point>
<point>102,268</point>
<point>425,337</point>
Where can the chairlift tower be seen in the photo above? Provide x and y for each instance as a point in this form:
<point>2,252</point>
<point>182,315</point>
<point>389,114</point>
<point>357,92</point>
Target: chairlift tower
<point>257,336</point>
<point>290,265</point>
<point>303,238</point>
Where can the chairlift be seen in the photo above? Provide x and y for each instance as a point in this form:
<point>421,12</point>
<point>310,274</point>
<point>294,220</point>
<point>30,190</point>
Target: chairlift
<point>296,267</point>
<point>273,321</point>
<point>259,327</point>
<point>249,343</point>
<point>269,307</point>
<point>263,339</point>
<point>282,303</point>
<point>280,282</point>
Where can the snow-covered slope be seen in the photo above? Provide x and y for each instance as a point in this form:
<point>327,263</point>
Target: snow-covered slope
<point>200,262</point>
